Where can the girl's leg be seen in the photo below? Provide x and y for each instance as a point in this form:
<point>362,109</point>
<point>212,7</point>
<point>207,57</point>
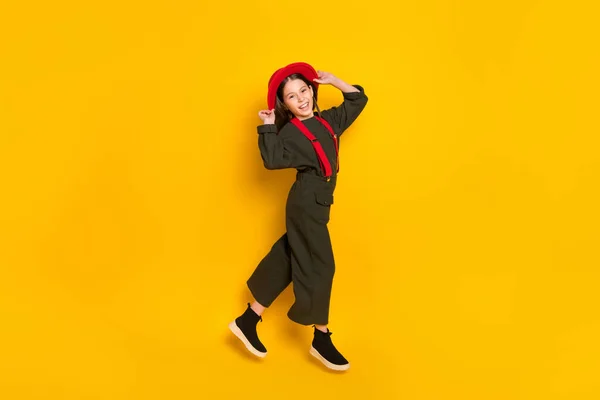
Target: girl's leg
<point>313,270</point>
<point>272,275</point>
<point>258,308</point>
<point>269,279</point>
<point>312,264</point>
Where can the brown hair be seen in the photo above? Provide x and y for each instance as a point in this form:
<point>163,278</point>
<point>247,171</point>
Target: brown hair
<point>282,114</point>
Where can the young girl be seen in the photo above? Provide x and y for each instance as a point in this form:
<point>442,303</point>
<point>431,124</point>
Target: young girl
<point>294,136</point>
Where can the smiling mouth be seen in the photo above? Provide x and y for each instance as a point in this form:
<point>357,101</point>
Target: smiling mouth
<point>303,106</point>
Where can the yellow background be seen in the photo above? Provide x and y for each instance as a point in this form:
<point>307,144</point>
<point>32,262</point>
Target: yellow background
<point>134,203</point>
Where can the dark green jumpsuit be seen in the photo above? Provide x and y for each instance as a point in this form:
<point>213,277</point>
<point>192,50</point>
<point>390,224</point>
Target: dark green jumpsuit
<point>303,255</point>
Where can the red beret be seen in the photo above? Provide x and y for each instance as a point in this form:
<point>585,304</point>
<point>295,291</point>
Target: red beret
<point>278,76</point>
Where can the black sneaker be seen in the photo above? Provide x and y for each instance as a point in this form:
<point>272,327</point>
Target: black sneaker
<point>244,327</point>
<point>323,350</point>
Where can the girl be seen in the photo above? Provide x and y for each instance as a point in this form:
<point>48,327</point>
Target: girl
<point>294,136</point>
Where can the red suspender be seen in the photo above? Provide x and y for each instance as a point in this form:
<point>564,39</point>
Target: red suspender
<point>323,161</point>
<point>335,141</point>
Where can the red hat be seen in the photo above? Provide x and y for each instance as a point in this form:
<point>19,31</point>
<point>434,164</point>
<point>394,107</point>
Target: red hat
<point>278,76</point>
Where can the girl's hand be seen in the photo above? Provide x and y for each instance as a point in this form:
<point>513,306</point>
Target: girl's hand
<point>325,78</point>
<point>267,116</point>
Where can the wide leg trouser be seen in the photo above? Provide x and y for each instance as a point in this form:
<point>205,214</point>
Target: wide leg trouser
<point>303,256</point>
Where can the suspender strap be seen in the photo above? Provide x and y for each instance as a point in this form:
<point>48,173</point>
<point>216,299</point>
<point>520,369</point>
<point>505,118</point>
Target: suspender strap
<point>323,160</point>
<point>335,141</point>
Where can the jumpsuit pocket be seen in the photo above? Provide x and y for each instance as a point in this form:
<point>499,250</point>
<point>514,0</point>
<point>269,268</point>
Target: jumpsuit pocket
<point>324,199</point>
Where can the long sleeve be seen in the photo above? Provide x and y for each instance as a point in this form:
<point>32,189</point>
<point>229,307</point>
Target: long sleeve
<point>342,116</point>
<point>272,147</point>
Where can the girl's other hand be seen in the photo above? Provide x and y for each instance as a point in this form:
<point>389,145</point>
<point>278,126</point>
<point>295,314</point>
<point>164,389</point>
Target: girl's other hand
<point>267,116</point>
<point>325,78</point>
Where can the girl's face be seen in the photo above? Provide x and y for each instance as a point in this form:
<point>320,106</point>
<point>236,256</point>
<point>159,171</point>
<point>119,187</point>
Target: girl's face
<point>298,98</point>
